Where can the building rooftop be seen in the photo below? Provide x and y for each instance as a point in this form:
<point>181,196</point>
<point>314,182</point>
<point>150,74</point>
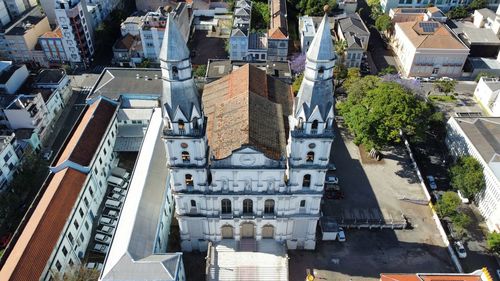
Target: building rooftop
<point>219,68</point>
<point>472,34</point>
<point>430,35</point>
<point>31,252</point>
<point>26,23</point>
<point>132,252</point>
<point>492,83</point>
<point>484,134</point>
<point>257,41</point>
<point>84,141</point>
<point>5,140</point>
<point>353,23</point>
<point>477,275</point>
<point>50,76</point>
<point>278,28</point>
<point>247,107</point>
<point>487,13</point>
<point>125,43</point>
<point>115,82</point>
<point>45,93</point>
<point>6,74</point>
<point>56,33</point>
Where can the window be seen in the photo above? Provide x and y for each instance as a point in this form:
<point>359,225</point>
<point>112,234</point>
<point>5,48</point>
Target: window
<point>188,179</point>
<point>193,203</point>
<point>247,206</point>
<point>195,123</point>
<point>181,125</point>
<point>175,72</point>
<point>86,225</point>
<point>269,206</point>
<point>91,191</point>
<point>86,201</point>
<point>306,182</point>
<point>70,262</point>
<point>76,224</point>
<point>321,71</point>
<point>105,152</point>
<point>226,206</point>
<point>80,211</point>
<point>100,160</point>
<point>64,250</point>
<point>185,157</point>
<point>81,237</point>
<point>58,265</point>
<point>302,203</point>
<point>314,125</point>
<point>70,237</point>
<point>310,157</point>
<point>301,123</point>
<point>435,70</point>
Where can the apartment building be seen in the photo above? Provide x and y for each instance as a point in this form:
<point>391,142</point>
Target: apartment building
<point>77,30</point>
<point>417,14</point>
<point>10,156</point>
<point>18,41</point>
<point>444,5</point>
<point>52,45</point>
<point>428,49</point>
<point>55,79</point>
<point>479,137</point>
<point>12,76</point>
<point>15,7</point>
<point>64,216</point>
<point>487,93</point>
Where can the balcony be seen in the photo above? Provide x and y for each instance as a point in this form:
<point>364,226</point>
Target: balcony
<point>328,132</point>
<point>181,132</point>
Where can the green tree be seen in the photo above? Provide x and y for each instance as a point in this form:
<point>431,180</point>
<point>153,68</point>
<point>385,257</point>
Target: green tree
<point>377,115</point>
<point>314,7</point>
<point>477,4</point>
<point>445,86</point>
<point>200,70</point>
<point>448,204</point>
<point>145,63</point>
<point>493,242</point>
<point>388,70</point>
<point>484,74</point>
<point>340,48</point>
<point>78,273</point>
<point>467,176</point>
<point>353,76</point>
<point>460,222</point>
<point>383,23</point>
<point>339,72</point>
<point>358,89</point>
<point>296,83</point>
<point>260,16</point>
<point>457,12</point>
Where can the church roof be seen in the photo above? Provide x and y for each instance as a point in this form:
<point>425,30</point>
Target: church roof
<point>173,47</point>
<point>321,48</point>
<point>247,107</point>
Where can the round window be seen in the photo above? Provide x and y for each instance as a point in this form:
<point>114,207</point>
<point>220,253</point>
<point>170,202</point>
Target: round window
<point>184,145</point>
<point>312,145</point>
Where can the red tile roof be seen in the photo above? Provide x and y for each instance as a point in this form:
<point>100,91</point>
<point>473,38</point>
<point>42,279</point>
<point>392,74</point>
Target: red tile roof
<point>87,136</point>
<point>32,250</point>
<point>430,277</point>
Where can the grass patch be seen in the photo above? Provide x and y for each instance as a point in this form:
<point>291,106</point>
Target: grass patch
<point>441,98</point>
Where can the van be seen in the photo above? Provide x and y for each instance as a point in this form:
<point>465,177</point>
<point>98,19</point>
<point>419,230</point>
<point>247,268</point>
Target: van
<point>113,204</point>
<point>114,181</point>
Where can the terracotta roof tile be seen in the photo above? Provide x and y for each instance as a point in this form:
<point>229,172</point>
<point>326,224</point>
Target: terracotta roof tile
<point>278,22</point>
<point>440,38</point>
<point>32,250</point>
<point>247,107</point>
<point>56,33</point>
<point>85,139</point>
<point>430,277</point>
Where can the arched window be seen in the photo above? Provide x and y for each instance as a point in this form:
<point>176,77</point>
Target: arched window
<point>175,72</point>
<point>310,156</point>
<point>225,206</point>
<point>302,203</point>
<point>193,203</point>
<point>247,206</point>
<point>321,71</point>
<point>306,182</point>
<point>188,180</point>
<point>195,123</point>
<point>314,125</point>
<point>180,123</point>
<point>185,157</point>
<point>269,206</point>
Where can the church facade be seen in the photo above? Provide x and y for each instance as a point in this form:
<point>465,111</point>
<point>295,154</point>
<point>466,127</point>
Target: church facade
<point>247,159</point>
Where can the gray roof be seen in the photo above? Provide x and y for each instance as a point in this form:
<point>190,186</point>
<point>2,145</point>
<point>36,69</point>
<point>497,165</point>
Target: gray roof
<point>115,82</point>
<point>173,47</point>
<point>321,48</point>
<point>50,76</point>
<point>182,95</point>
<point>353,24</point>
<point>219,68</point>
<point>353,41</point>
<point>471,34</point>
<point>485,12</point>
<point>237,33</point>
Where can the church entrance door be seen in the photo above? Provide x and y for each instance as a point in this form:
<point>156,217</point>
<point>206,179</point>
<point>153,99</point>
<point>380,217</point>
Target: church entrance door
<point>227,232</point>
<point>247,230</point>
<point>268,231</point>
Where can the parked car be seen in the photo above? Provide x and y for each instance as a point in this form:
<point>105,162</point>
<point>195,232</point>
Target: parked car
<point>95,265</point>
<point>115,181</point>
<point>445,79</point>
<point>432,182</point>
<point>331,180</point>
<point>341,235</point>
<point>103,238</point>
<point>106,229</point>
<point>465,200</point>
<point>113,204</point>
<point>110,213</point>
<point>118,190</point>
<point>100,248</point>
<point>47,154</point>
<point>432,78</point>
<point>120,173</point>
<point>459,247</point>
<point>107,221</point>
<point>115,196</point>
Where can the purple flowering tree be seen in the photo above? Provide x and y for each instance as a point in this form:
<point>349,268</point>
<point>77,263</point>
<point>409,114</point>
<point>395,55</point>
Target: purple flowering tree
<point>298,63</point>
<point>410,84</point>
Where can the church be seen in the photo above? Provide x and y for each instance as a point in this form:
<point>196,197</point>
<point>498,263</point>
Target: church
<point>247,160</point>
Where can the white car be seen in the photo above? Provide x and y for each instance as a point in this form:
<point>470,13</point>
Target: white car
<point>341,235</point>
<point>107,221</point>
<point>445,79</point>
<point>115,196</point>
<point>113,214</point>
<point>332,180</point>
<point>459,247</point>
<point>105,239</point>
<point>106,229</point>
<point>94,265</point>
<point>432,182</point>
<point>100,248</point>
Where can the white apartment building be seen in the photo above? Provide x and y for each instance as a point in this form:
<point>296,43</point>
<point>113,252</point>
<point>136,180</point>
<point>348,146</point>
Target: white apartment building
<point>444,5</point>
<point>487,93</point>
<point>73,193</point>
<point>9,159</point>
<point>77,30</point>
<point>55,79</point>
<point>12,77</point>
<point>239,191</point>
<point>307,31</point>
<point>28,112</point>
<point>428,49</point>
<point>479,137</point>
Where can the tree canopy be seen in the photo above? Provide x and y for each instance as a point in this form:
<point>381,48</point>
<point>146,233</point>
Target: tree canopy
<point>493,242</point>
<point>445,86</point>
<point>448,204</point>
<point>200,70</point>
<point>260,15</point>
<point>314,7</point>
<point>375,111</point>
<point>457,12</point>
<point>296,83</point>
<point>383,23</point>
<point>477,4</point>
<point>467,176</point>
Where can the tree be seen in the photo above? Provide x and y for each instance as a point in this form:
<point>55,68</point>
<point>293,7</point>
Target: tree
<point>484,74</point>
<point>477,4</point>
<point>493,242</point>
<point>298,63</point>
<point>376,112</point>
<point>260,15</point>
<point>388,70</point>
<point>200,70</point>
<point>78,273</point>
<point>383,23</point>
<point>457,12</point>
<point>339,72</point>
<point>445,86</point>
<point>460,222</point>
<point>145,63</point>
<point>467,176</point>
<point>448,204</point>
<point>353,76</point>
<point>340,48</point>
<point>296,83</point>
<point>314,7</point>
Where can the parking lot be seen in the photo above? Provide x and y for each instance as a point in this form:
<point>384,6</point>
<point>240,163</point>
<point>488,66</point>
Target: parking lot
<point>390,185</point>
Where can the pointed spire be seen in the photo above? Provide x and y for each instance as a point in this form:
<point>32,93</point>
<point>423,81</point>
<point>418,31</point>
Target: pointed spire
<point>321,48</point>
<point>173,47</point>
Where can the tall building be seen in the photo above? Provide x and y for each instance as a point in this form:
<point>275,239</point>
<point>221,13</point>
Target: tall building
<point>4,14</point>
<point>15,7</point>
<point>77,30</point>
<point>247,162</point>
